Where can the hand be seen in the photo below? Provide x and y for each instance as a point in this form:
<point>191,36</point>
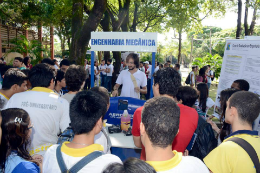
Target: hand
<point>115,93</point>
<point>38,158</point>
<point>214,125</point>
<point>186,153</point>
<point>137,89</point>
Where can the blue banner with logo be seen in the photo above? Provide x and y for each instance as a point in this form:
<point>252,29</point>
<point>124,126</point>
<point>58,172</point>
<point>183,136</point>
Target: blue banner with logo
<point>117,107</point>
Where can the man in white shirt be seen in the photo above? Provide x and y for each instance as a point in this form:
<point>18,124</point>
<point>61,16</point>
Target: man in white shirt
<point>14,81</point>
<point>109,71</point>
<point>209,76</point>
<point>141,68</point>
<point>131,79</point>
<point>192,76</point>
<point>86,112</point>
<point>103,73</point>
<point>48,112</point>
<point>159,126</point>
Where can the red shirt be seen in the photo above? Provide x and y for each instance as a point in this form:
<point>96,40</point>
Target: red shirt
<point>188,124</point>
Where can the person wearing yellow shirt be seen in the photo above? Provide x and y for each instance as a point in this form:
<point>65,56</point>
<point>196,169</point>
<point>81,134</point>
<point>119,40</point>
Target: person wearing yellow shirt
<point>243,108</point>
<point>159,126</point>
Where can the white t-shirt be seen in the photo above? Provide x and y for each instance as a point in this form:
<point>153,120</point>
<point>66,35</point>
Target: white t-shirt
<point>209,104</point>
<point>150,71</point>
<point>256,126</point>
<point>111,67</point>
<point>101,139</point>
<point>56,67</point>
<point>95,69</point>
<point>103,67</point>
<point>180,164</point>
<point>156,69</point>
<point>49,115</point>
<point>124,79</point>
<point>71,156</point>
<point>3,101</point>
<point>192,80</point>
<point>209,78</point>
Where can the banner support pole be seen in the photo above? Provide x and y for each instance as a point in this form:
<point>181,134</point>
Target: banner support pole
<point>153,67</point>
<point>92,68</point>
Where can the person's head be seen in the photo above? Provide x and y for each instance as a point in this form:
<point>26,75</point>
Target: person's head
<point>141,64</point>
<point>161,66</point>
<point>14,80</point>
<point>202,72</point>
<point>2,60</point>
<point>160,122</point>
<point>60,79</point>
<point>193,68</point>
<point>26,72</point>
<point>109,61</point>
<point>18,62</point>
<point>197,68</point>
<point>203,93</point>
<point>169,62</point>
<point>166,65</point>
<point>209,66</point>
<point>55,62</point>
<point>48,61</point>
<point>131,165</point>
<point>146,64</point>
<point>243,107</point>
<point>206,69</point>
<point>103,92</point>
<point>166,82</point>
<point>103,62</point>
<point>75,78</point>
<point>187,96</point>
<point>42,75</point>
<point>16,131</point>
<point>27,60</point>
<point>157,63</point>
<point>132,61</point>
<point>177,67</point>
<point>4,68</point>
<point>241,84</point>
<point>86,111</point>
<point>64,65</point>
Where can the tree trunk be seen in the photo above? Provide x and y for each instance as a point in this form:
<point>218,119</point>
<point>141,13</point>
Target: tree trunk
<point>105,23</point>
<point>134,25</point>
<point>238,33</point>
<point>81,33</point>
<point>252,26</point>
<point>125,24</point>
<point>179,54</point>
<point>245,19</point>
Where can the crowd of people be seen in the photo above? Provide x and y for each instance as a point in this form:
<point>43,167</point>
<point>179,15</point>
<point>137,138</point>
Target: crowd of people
<point>40,103</point>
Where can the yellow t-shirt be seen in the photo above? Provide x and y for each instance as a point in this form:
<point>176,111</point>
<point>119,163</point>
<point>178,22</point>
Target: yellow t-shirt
<point>229,157</point>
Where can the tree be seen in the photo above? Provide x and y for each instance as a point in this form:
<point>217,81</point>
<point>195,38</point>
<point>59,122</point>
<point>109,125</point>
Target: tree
<point>255,6</point>
<point>82,28</point>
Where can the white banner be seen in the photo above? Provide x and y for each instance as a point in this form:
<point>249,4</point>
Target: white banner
<point>124,41</point>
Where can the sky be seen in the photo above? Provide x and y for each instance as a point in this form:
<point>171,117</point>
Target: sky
<point>225,22</point>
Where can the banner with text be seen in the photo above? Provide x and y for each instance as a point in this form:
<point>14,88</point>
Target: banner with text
<point>124,41</point>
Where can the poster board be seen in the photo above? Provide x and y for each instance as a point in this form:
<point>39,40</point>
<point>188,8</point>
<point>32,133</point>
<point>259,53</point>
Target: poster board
<point>241,61</point>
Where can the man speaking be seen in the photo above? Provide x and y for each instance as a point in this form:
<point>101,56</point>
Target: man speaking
<point>131,79</point>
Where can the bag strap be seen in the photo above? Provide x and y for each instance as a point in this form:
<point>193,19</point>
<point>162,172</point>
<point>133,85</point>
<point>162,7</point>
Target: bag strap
<point>250,151</point>
<point>134,80</point>
<point>79,165</point>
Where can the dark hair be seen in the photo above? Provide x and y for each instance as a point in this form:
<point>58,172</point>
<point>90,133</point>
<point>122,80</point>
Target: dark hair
<point>41,75</point>
<point>158,63</point>
<point>131,165</point>
<point>224,96</point>
<point>204,93</point>
<point>103,92</point>
<point>193,68</point>
<point>243,84</point>
<point>247,105</point>
<point>13,76</point>
<point>206,68</point>
<point>54,60</point>
<point>161,65</point>
<point>19,59</point>
<point>202,73</point>
<point>109,60</point>
<point>75,77</point>
<point>160,117</point>
<point>14,134</point>
<point>135,57</point>
<point>169,80</point>
<point>209,66</point>
<point>169,61</point>
<point>60,75</point>
<point>86,108</point>
<point>65,62</point>
<point>26,72</point>
<point>188,95</point>
<point>47,61</point>
<point>141,62</point>
<point>25,60</point>
<point>178,66</point>
<point>4,68</point>
<point>2,58</point>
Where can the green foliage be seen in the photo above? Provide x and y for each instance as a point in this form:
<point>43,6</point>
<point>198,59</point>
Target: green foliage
<point>214,61</point>
<point>23,45</point>
<point>148,57</point>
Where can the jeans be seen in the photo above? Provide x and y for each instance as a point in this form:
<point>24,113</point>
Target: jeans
<point>209,85</point>
<point>103,79</point>
<point>147,96</point>
<point>87,84</point>
<point>108,83</point>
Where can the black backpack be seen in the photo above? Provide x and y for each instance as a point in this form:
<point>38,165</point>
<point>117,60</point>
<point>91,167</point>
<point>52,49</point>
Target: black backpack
<point>187,81</point>
<point>205,141</point>
<point>213,75</point>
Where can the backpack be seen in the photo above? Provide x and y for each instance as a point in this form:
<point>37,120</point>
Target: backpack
<point>205,141</point>
<point>187,81</point>
<point>213,75</point>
